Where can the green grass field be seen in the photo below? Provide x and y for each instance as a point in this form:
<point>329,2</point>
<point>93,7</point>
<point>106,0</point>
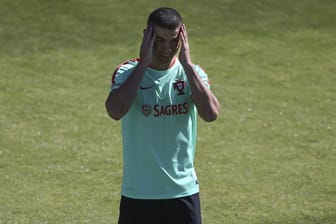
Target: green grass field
<point>270,158</point>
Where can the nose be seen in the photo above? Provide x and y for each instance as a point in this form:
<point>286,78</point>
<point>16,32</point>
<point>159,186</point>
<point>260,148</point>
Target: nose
<point>167,47</point>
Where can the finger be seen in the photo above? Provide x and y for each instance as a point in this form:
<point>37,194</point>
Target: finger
<point>147,34</point>
<point>181,33</point>
<point>184,31</point>
<point>184,28</point>
<point>182,37</point>
<point>153,38</point>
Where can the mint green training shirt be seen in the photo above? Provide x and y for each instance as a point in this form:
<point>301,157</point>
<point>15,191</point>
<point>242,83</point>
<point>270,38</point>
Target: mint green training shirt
<point>159,134</point>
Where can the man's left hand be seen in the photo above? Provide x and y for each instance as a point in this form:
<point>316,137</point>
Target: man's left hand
<point>184,52</point>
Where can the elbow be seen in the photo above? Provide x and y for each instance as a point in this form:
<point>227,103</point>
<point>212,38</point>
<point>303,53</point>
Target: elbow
<point>211,116</point>
<point>212,113</point>
<point>115,115</point>
<point>209,109</point>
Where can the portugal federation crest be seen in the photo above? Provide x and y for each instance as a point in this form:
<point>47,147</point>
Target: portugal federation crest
<point>179,85</point>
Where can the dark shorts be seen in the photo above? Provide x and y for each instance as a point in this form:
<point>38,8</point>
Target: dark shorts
<point>186,210</point>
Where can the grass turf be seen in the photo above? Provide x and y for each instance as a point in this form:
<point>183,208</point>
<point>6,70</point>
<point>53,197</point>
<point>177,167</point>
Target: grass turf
<point>269,158</point>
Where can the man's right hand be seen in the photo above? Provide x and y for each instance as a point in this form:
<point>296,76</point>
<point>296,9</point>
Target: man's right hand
<point>146,49</point>
<point>120,100</point>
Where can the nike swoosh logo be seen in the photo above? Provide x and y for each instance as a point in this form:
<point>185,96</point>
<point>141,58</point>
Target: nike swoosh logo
<point>147,87</point>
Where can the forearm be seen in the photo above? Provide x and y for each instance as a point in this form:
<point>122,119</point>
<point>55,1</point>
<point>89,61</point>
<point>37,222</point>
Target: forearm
<point>120,100</point>
<point>206,103</point>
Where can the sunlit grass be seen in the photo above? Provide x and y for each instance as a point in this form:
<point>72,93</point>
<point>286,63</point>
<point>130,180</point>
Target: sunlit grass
<point>269,158</point>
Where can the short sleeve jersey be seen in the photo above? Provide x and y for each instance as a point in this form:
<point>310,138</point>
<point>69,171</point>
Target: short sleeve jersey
<point>159,134</point>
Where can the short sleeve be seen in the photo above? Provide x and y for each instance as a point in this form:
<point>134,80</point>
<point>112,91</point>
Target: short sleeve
<point>203,75</point>
<point>121,74</point>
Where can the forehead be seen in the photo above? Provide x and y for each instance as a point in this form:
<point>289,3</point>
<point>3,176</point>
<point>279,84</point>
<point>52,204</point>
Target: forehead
<point>166,34</point>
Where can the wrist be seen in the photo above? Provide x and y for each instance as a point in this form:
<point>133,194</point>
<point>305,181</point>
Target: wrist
<point>142,64</point>
<point>187,64</point>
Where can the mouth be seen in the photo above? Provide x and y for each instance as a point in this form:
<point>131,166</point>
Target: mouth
<point>165,57</point>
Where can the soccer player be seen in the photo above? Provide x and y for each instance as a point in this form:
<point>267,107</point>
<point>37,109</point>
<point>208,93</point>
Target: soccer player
<point>157,97</point>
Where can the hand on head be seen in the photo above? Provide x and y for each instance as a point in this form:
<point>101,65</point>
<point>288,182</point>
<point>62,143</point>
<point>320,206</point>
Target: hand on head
<point>184,52</point>
<point>146,49</point>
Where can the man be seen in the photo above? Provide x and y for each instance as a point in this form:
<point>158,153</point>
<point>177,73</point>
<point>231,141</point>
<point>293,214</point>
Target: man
<point>157,97</point>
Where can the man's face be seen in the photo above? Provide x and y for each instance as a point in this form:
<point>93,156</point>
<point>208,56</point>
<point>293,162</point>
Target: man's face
<point>165,47</point>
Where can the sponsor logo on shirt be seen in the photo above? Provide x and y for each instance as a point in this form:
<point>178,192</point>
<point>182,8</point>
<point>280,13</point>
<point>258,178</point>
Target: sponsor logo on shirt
<point>159,110</point>
<point>146,110</point>
<point>165,110</point>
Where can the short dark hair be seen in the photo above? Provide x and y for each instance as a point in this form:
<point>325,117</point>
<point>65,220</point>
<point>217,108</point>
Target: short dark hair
<point>165,17</point>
